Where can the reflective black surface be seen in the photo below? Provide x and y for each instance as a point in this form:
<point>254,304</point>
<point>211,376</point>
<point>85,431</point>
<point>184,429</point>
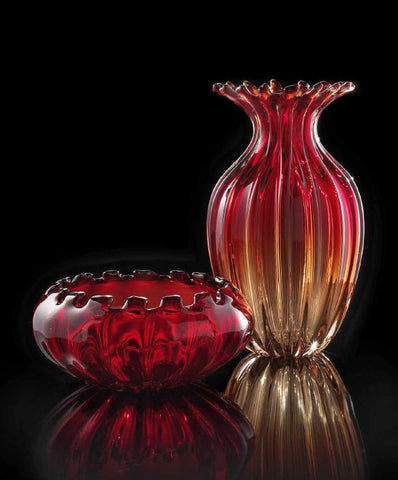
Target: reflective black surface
<point>33,406</point>
<point>93,189</point>
<point>33,388</point>
<point>190,431</point>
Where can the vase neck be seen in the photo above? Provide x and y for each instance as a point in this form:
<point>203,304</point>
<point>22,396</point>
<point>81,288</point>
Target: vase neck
<point>282,117</point>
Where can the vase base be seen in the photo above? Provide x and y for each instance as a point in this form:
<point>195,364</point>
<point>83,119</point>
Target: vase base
<point>293,350</point>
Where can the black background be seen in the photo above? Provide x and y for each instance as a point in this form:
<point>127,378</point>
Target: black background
<point>115,143</point>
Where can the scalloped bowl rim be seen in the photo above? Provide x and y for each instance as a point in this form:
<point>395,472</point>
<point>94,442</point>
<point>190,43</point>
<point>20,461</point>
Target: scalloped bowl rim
<point>218,289</point>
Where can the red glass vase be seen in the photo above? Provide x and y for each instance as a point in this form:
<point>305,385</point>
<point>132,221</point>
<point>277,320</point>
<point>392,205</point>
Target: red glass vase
<point>142,330</point>
<point>285,222</point>
<point>190,432</point>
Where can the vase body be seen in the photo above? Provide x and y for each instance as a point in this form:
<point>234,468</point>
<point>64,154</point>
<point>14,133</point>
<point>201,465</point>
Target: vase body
<point>285,222</point>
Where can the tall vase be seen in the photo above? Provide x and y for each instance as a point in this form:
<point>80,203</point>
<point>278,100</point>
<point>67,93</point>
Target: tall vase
<point>285,221</point>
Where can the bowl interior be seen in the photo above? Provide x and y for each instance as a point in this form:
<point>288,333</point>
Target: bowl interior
<point>153,290</point>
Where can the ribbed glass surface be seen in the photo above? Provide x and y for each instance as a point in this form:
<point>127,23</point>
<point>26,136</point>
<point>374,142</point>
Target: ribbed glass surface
<point>285,222</point>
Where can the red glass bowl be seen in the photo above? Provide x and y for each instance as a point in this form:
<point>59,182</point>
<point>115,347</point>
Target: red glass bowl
<point>190,432</point>
<point>143,330</point>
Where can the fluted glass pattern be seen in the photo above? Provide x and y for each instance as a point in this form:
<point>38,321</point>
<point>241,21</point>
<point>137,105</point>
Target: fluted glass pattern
<point>285,222</point>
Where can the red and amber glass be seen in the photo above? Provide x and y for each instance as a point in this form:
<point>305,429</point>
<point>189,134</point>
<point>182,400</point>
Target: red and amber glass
<point>285,222</point>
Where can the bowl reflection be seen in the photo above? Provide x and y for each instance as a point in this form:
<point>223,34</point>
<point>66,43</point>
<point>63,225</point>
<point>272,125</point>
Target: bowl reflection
<point>303,419</point>
<point>189,432</point>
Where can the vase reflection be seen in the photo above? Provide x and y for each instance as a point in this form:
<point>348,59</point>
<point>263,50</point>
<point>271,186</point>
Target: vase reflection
<point>191,432</point>
<point>303,420</point>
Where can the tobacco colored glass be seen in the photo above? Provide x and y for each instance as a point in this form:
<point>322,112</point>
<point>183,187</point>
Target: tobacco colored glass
<point>143,330</point>
<point>285,222</point>
<point>190,432</point>
<point>303,420</point>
